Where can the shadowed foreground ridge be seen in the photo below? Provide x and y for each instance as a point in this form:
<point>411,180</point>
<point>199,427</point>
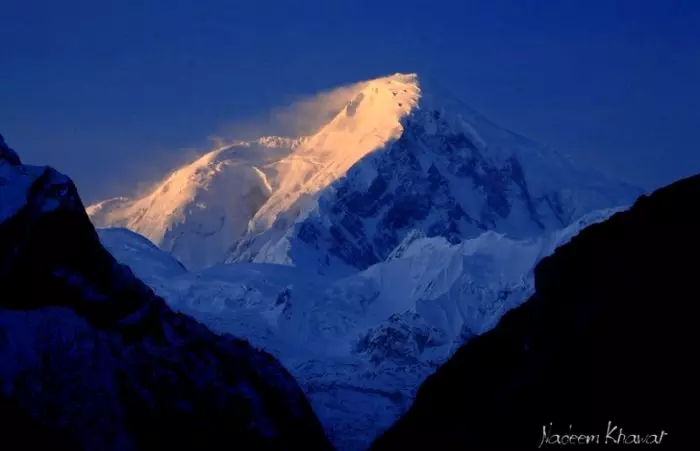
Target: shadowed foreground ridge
<point>605,338</point>
<point>91,358</point>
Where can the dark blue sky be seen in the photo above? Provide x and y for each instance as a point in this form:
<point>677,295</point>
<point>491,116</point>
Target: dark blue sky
<point>111,92</point>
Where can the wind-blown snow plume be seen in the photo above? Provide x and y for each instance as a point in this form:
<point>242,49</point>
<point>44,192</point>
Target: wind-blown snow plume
<point>303,116</point>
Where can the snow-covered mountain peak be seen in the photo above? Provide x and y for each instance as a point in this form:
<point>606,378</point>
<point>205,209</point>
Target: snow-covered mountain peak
<point>368,122</point>
<point>407,155</point>
<point>403,154</point>
<point>371,119</point>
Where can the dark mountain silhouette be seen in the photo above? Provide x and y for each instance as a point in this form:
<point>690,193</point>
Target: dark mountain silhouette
<point>91,358</point>
<point>607,337</point>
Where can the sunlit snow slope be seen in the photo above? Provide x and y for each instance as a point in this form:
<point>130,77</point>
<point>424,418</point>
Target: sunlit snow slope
<point>201,209</point>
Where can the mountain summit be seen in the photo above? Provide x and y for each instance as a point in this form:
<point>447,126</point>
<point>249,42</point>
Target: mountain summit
<point>402,155</point>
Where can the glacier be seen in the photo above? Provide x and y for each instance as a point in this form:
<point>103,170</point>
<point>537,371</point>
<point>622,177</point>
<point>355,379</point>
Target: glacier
<point>362,255</point>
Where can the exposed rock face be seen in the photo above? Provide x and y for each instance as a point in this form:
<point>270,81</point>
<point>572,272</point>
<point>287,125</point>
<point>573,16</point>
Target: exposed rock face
<point>402,339</point>
<point>606,338</point>
<point>91,358</point>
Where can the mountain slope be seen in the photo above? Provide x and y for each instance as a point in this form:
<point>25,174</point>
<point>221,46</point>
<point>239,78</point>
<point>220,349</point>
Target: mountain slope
<point>407,224</point>
<point>360,346</point>
<point>201,209</point>
<point>403,155</point>
<point>92,359</point>
<point>460,290</point>
<point>604,343</point>
<point>159,263</point>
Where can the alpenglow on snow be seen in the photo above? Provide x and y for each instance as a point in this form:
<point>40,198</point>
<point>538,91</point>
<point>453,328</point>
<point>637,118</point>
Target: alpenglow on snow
<point>403,155</point>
